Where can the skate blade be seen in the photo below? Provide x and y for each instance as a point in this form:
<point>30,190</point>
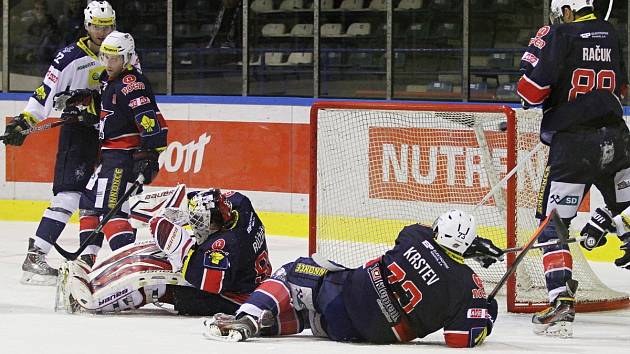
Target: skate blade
<point>29,278</point>
<point>562,329</point>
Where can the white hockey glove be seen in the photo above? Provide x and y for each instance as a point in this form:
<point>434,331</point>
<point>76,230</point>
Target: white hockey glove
<point>484,251</point>
<point>172,239</point>
<point>596,228</point>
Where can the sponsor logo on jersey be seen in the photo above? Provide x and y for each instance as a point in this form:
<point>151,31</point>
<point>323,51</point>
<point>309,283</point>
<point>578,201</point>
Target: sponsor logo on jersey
<point>564,200</point>
<point>530,58</point>
<point>623,185</point>
<point>594,35</point>
<point>596,54</point>
<point>310,270</point>
<point>129,79</point>
<point>384,302</point>
<point>94,76</point>
<point>132,87</point>
<point>427,244</point>
<point>420,264</point>
<point>541,193</point>
<point>477,313</point>
<point>136,102</point>
<point>85,66</point>
<point>218,244</point>
<point>480,292</point>
<point>52,77</point>
<point>538,42</point>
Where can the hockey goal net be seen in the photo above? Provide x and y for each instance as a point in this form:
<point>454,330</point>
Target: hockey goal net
<point>376,167</point>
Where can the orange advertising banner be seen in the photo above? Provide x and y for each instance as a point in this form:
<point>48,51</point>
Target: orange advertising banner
<point>270,157</point>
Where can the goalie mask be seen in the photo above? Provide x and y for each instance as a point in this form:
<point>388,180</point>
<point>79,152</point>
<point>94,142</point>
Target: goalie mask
<point>455,230</point>
<point>208,212</point>
<point>556,14</point>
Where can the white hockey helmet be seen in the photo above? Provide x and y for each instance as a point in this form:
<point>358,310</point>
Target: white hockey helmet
<point>100,13</point>
<point>575,5</point>
<point>455,230</point>
<point>118,43</point>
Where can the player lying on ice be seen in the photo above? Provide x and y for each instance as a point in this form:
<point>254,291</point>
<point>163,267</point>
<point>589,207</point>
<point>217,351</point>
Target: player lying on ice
<point>414,289</point>
<point>212,270</point>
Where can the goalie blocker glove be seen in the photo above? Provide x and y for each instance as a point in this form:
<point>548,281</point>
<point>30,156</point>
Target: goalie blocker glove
<point>484,251</point>
<point>595,230</point>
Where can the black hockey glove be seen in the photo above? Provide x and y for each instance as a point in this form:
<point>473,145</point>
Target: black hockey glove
<point>146,162</point>
<point>484,251</point>
<point>74,114</point>
<point>79,97</point>
<point>14,130</point>
<point>596,228</point>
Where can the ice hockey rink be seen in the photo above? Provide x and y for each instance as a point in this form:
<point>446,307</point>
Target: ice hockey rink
<point>29,324</point>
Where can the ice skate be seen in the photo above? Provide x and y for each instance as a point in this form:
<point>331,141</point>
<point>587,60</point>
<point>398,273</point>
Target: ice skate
<point>557,320</point>
<point>36,270</point>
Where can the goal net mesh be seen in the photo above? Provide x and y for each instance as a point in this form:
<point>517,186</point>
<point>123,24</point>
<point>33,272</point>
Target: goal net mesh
<point>381,169</point>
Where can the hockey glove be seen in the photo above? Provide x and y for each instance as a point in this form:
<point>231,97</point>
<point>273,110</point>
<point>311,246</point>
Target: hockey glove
<point>624,260</point>
<point>66,99</point>
<point>73,114</point>
<point>146,162</point>
<point>596,228</point>
<point>484,251</point>
<point>14,130</point>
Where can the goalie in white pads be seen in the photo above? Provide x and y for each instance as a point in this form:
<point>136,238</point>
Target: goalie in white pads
<point>213,270</point>
<point>418,287</point>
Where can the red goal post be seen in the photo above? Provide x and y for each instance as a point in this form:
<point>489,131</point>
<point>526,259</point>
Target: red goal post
<point>376,166</point>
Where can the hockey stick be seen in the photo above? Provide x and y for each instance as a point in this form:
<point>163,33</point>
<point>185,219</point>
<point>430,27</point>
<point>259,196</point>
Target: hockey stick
<point>71,256</point>
<point>38,128</point>
<point>545,244</point>
<point>563,235</point>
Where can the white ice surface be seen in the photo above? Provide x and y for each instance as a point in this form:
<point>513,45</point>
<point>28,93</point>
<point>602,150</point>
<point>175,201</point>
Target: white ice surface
<point>28,323</point>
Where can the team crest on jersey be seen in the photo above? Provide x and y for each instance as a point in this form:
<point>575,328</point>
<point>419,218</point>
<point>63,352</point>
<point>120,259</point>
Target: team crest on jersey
<point>216,259</point>
<point>129,79</point>
<point>41,93</point>
<point>149,122</point>
<point>218,244</point>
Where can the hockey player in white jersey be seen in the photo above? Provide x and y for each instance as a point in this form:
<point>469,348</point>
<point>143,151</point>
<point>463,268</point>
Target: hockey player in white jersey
<point>74,68</point>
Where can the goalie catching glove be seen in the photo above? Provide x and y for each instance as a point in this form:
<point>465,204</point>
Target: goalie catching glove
<point>484,251</point>
<point>596,228</point>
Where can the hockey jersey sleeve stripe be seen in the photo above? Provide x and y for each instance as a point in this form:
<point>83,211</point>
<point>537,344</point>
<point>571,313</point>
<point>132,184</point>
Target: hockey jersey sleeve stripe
<point>457,339</point>
<point>126,142</point>
<point>212,280</point>
<point>531,91</point>
<point>403,331</point>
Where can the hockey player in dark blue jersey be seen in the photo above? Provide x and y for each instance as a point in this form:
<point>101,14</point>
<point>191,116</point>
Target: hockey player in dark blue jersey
<point>416,288</point>
<point>132,131</point>
<point>75,68</point>
<point>574,68</point>
<point>213,269</point>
